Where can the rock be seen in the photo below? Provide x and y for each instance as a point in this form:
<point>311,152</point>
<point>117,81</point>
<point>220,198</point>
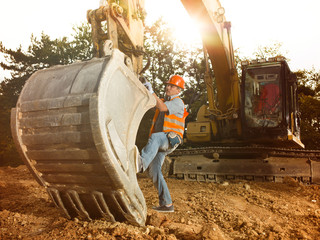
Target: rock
<point>158,231</point>
<point>147,231</point>
<point>254,232</point>
<point>99,236</point>
<point>114,225</point>
<point>246,186</point>
<point>290,182</point>
<point>276,228</point>
<point>183,231</point>
<point>89,236</point>
<point>225,184</point>
<point>156,219</point>
<point>212,232</point>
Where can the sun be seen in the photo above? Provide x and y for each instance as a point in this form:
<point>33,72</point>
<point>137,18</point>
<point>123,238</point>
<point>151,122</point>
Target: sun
<point>186,32</point>
<point>184,27</point>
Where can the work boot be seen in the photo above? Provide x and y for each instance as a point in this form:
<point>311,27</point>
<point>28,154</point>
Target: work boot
<point>164,208</point>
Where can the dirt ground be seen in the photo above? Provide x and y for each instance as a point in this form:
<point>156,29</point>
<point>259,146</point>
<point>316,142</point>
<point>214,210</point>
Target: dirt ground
<point>229,210</point>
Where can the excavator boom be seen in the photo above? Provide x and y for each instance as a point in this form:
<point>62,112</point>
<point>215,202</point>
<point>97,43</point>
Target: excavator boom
<point>216,37</point>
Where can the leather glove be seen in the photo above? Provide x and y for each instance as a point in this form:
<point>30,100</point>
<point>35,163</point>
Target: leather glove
<point>148,86</point>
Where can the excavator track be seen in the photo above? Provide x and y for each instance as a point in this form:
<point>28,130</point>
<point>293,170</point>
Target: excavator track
<point>216,164</point>
<point>76,133</point>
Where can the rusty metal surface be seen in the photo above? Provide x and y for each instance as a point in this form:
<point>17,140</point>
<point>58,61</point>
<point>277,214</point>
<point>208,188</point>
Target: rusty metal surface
<point>125,27</point>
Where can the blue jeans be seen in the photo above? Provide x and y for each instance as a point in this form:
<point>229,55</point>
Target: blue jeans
<point>152,156</point>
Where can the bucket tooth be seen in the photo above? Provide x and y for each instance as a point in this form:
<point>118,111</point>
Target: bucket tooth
<point>102,206</point>
<point>55,196</point>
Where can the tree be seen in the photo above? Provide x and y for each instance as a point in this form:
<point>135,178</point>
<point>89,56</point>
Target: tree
<point>310,121</point>
<point>196,93</point>
<point>309,92</point>
<point>308,82</point>
<point>42,53</point>
<point>275,49</point>
<point>160,51</point>
<point>163,55</point>
<point>167,58</point>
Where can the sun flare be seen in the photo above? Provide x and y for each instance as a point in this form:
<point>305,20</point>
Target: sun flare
<point>184,28</point>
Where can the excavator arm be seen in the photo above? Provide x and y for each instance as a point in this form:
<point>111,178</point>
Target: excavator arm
<point>124,23</point>
<point>216,37</point>
<point>223,111</point>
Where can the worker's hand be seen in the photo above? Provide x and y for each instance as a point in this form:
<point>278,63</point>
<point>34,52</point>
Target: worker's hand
<point>148,86</point>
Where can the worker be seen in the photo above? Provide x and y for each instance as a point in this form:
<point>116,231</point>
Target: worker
<point>165,135</point>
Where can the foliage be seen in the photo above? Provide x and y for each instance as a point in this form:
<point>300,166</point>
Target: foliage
<point>310,121</point>
<point>167,58</point>
<point>272,50</point>
<point>195,94</point>
<point>162,52</point>
<point>161,56</point>
<point>308,82</point>
<point>42,53</point>
<point>82,42</point>
<point>309,103</point>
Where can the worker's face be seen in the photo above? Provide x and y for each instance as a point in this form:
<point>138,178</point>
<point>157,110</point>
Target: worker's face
<point>172,90</point>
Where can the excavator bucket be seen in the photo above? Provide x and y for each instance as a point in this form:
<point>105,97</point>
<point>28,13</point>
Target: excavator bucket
<point>75,127</point>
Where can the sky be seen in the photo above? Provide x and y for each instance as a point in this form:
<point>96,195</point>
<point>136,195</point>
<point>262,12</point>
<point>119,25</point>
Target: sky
<point>255,23</point>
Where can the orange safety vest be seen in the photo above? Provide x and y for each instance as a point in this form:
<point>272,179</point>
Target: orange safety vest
<point>171,123</point>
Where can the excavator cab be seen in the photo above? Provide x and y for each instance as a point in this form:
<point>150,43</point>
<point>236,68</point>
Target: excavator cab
<point>270,111</point>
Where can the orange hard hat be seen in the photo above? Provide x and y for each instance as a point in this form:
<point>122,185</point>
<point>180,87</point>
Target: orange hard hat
<point>177,81</point>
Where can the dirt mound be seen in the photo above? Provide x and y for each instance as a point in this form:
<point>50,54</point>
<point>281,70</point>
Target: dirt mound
<point>231,210</point>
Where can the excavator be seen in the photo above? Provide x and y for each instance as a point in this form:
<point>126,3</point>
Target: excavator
<point>75,129</point>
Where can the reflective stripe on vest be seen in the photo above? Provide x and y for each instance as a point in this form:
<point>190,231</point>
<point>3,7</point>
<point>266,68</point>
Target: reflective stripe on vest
<point>171,123</point>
